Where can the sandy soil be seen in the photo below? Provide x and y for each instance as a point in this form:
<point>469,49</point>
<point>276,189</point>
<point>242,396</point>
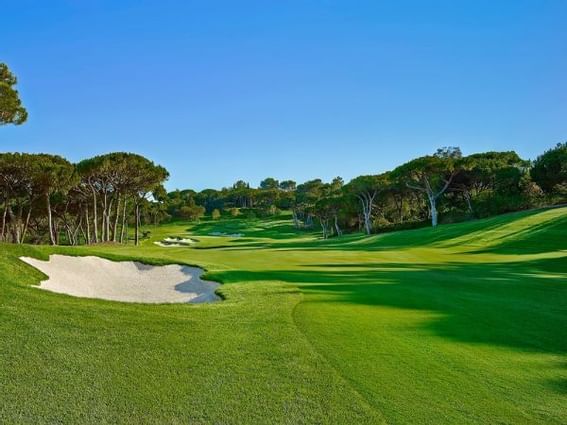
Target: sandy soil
<point>128,281</point>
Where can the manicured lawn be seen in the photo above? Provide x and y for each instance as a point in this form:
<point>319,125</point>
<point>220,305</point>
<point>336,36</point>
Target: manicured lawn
<point>466,323</point>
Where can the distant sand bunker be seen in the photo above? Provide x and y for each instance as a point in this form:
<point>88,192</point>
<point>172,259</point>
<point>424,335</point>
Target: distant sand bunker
<point>175,242</point>
<point>128,281</point>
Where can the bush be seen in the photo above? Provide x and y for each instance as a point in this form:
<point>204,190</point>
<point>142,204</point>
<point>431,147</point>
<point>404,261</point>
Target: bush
<point>550,169</point>
<point>193,213</point>
<point>216,214</point>
<point>234,212</point>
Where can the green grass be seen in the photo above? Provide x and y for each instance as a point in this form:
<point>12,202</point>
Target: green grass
<point>466,323</point>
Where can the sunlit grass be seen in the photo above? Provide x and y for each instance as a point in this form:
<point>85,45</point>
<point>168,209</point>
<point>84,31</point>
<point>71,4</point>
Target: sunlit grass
<point>466,323</point>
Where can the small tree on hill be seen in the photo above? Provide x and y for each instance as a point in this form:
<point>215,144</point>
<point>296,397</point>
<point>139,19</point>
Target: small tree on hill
<point>550,169</point>
<point>269,183</point>
<point>365,189</point>
<point>431,175</point>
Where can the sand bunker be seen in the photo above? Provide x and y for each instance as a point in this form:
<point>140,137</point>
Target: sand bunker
<point>175,242</point>
<point>128,281</point>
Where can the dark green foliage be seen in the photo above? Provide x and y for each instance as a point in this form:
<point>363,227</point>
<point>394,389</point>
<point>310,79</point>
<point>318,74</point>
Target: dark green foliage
<point>45,197</point>
<point>11,109</point>
<point>446,184</point>
<point>269,183</point>
<point>445,187</point>
<point>549,170</point>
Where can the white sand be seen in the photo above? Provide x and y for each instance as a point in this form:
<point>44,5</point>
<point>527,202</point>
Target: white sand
<point>170,245</point>
<point>175,242</point>
<point>129,281</point>
<point>187,241</point>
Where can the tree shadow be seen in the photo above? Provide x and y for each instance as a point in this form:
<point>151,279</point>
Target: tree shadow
<point>520,305</point>
<point>278,228</point>
<point>509,233</point>
<point>535,238</point>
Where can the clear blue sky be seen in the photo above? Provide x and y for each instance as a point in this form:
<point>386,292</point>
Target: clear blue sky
<point>223,90</point>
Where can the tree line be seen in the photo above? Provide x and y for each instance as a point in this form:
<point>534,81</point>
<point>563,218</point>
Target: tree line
<point>445,184</point>
<point>47,199</point>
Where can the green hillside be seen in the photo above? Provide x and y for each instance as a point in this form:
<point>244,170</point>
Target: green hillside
<point>464,323</point>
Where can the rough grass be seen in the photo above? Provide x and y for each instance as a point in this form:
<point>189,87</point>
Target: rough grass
<point>466,323</point>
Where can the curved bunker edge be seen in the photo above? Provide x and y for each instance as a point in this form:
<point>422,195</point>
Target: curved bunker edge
<point>125,281</point>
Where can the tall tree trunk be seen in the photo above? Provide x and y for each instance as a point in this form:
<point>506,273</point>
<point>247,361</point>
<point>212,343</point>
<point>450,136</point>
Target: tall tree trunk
<point>69,234</point>
<point>433,210</point>
<point>56,231</point>
<point>123,227</point>
<point>3,236</point>
<point>400,207</point>
<point>26,224</point>
<point>108,219</point>
<point>75,232</point>
<point>337,228</point>
<point>14,228</point>
<point>324,227</point>
<point>467,196</point>
<point>50,220</point>
<point>95,218</point>
<point>137,229</point>
<point>104,217</point>
<point>366,213</point>
<point>85,237</point>
<point>115,227</point>
<point>367,201</point>
<point>19,223</point>
<point>88,235</point>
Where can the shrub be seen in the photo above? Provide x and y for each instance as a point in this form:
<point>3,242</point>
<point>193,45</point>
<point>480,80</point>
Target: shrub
<point>550,169</point>
<point>194,212</point>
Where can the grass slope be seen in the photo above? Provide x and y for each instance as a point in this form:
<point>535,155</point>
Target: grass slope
<point>466,323</point>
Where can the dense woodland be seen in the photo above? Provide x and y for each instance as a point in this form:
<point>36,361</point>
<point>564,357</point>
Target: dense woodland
<point>443,187</point>
<point>46,199</point>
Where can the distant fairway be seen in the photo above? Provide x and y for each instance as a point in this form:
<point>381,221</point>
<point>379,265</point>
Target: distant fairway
<point>465,323</point>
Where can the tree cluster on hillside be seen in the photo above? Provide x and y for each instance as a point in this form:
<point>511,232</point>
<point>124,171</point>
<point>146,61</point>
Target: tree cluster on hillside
<point>45,198</point>
<point>444,186</point>
<point>549,170</point>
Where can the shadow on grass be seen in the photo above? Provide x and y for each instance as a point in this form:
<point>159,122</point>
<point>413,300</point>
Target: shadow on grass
<point>277,228</point>
<point>511,233</point>
<point>522,305</point>
<point>534,238</point>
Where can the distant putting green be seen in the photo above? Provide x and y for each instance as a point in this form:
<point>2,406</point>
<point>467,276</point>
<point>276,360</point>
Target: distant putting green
<point>466,323</point>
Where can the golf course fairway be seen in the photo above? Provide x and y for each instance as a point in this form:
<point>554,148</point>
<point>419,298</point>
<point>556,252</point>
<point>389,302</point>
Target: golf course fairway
<point>464,323</point>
